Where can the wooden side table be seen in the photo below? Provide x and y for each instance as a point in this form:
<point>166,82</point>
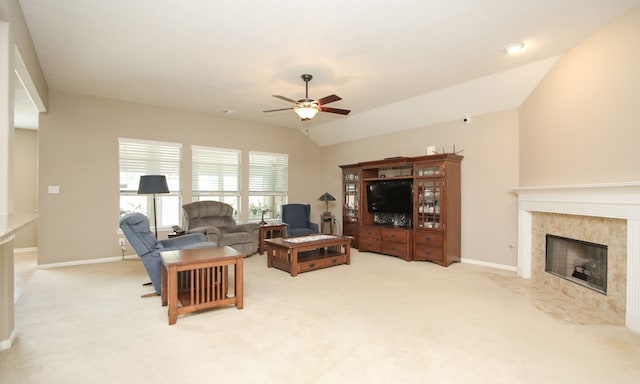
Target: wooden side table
<point>203,282</point>
<point>270,231</point>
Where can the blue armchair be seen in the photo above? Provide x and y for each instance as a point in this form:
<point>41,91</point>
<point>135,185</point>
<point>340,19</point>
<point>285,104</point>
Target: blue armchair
<point>135,227</point>
<point>297,218</point>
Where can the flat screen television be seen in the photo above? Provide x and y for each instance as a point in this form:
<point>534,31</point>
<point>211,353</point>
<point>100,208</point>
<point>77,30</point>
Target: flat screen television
<point>390,196</point>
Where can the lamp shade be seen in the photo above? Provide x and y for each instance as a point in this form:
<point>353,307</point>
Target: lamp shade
<point>326,197</point>
<point>306,109</point>
<point>153,184</point>
<point>306,113</point>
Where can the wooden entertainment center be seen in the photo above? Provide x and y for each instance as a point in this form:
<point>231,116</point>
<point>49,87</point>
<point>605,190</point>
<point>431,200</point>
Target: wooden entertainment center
<point>429,230</point>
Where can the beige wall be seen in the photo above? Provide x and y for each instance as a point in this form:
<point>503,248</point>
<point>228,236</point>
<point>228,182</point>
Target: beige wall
<point>10,11</point>
<point>489,174</point>
<point>79,153</point>
<point>581,124</point>
<point>25,178</point>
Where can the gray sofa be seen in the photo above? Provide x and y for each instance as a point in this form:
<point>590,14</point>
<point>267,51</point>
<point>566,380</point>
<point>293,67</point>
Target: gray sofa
<point>215,220</point>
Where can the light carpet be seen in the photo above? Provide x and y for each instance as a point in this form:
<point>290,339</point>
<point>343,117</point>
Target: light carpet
<point>380,319</point>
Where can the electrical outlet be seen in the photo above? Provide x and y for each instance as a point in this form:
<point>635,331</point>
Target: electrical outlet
<point>121,241</point>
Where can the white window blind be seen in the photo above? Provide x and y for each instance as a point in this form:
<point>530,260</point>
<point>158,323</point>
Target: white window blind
<point>268,183</point>
<point>215,171</point>
<point>268,173</point>
<point>141,157</point>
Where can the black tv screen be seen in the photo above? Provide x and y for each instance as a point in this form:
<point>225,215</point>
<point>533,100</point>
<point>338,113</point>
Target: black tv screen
<point>390,196</point>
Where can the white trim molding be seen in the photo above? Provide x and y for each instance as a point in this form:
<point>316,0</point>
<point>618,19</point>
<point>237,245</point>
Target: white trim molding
<point>6,344</point>
<point>610,200</point>
<point>503,267</point>
<point>88,261</point>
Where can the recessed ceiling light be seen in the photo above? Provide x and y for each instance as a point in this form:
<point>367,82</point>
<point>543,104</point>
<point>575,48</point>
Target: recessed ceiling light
<point>514,48</point>
<point>228,112</point>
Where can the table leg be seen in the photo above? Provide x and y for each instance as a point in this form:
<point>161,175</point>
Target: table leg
<point>260,242</point>
<point>269,250</point>
<point>163,286</point>
<point>239,284</point>
<point>347,250</point>
<point>172,290</point>
<point>294,262</point>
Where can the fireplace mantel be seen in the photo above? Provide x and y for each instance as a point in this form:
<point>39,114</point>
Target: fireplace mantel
<point>610,200</point>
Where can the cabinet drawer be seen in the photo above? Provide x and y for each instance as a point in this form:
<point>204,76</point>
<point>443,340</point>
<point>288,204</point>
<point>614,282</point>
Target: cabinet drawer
<point>395,249</point>
<point>423,252</point>
<point>396,235</point>
<point>369,244</point>
<point>429,238</point>
<point>370,232</point>
<point>322,263</point>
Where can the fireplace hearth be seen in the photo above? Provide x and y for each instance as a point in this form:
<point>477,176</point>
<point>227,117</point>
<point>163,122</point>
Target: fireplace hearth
<point>580,262</point>
<point>544,209</point>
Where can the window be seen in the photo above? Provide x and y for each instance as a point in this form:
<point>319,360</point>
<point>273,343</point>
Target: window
<point>268,175</point>
<point>216,175</point>
<point>137,158</point>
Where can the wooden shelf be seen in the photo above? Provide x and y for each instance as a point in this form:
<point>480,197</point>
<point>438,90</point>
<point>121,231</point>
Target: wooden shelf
<point>388,178</point>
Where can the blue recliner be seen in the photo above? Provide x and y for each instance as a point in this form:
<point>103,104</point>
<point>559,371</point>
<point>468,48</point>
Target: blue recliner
<point>135,227</point>
<point>297,218</point>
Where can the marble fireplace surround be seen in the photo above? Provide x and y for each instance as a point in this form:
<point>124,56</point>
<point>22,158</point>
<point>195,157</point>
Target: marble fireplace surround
<point>611,200</point>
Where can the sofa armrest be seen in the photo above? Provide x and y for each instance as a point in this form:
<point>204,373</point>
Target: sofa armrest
<point>314,226</point>
<point>247,227</point>
<point>183,241</point>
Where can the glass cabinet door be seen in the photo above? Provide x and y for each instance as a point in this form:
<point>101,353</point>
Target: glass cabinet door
<point>428,212</point>
<point>351,203</point>
<point>429,170</point>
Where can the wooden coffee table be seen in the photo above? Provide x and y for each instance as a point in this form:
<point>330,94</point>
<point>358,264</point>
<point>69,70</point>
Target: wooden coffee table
<point>308,253</point>
<point>196,279</point>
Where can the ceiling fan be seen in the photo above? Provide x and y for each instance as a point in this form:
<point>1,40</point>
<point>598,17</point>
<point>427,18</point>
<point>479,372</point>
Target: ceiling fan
<point>307,108</point>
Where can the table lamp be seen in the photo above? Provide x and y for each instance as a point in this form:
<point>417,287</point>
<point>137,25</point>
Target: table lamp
<point>326,197</point>
<point>150,185</point>
<point>264,210</point>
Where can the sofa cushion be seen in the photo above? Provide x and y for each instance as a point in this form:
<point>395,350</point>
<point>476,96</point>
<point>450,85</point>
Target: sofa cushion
<point>208,213</point>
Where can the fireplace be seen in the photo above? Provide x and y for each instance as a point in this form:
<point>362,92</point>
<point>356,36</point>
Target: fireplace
<point>581,262</point>
<point>598,213</point>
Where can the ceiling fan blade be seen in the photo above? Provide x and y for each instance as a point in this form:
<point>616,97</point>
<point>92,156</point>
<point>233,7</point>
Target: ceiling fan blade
<point>329,99</point>
<point>284,98</point>
<point>335,110</point>
<point>281,109</point>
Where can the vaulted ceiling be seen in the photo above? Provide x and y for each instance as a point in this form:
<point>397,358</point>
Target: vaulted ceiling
<point>396,65</point>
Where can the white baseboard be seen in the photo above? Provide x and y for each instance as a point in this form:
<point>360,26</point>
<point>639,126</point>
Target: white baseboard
<point>490,265</point>
<point>6,344</point>
<point>25,250</point>
<point>87,261</point>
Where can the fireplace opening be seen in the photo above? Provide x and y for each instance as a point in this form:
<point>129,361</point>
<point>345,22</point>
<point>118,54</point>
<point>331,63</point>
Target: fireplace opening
<point>578,261</point>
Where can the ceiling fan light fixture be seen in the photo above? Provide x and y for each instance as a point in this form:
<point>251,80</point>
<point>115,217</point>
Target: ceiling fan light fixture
<point>306,110</point>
